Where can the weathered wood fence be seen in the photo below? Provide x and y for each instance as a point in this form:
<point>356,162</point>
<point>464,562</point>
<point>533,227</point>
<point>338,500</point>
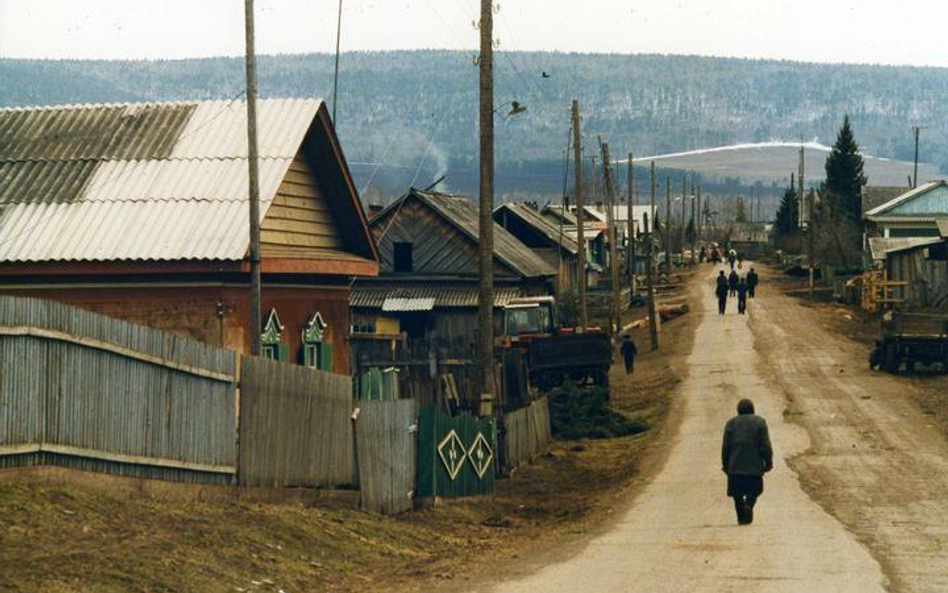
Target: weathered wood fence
<point>526,433</point>
<point>386,442</point>
<point>294,426</point>
<point>90,392</point>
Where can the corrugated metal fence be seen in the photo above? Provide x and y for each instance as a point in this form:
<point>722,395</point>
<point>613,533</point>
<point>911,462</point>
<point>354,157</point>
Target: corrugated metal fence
<point>386,441</point>
<point>295,427</point>
<point>96,393</point>
<point>527,433</point>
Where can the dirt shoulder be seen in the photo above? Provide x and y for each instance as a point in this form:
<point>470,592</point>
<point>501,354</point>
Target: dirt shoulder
<point>927,388</point>
<point>63,538</point>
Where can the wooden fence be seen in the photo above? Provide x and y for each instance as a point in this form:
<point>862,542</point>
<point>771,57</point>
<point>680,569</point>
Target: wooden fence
<point>90,392</point>
<point>295,427</point>
<point>456,454</point>
<point>386,442</point>
<point>526,433</point>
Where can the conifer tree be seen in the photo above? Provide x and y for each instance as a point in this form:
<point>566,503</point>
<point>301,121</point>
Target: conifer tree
<point>844,176</point>
<point>785,223</point>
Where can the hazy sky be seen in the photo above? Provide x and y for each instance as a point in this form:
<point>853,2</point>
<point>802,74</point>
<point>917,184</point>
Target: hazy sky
<point>873,31</point>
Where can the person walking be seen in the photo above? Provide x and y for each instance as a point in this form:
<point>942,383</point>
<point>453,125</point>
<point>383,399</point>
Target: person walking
<point>628,351</point>
<point>746,455</point>
<point>732,281</point>
<point>731,258</point>
<point>721,292</point>
<point>715,256</point>
<point>742,296</point>
<point>752,281</point>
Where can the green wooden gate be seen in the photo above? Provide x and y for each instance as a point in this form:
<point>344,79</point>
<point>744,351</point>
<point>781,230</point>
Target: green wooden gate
<point>456,455</point>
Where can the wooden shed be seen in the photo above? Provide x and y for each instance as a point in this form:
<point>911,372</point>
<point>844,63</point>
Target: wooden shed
<point>551,242</point>
<point>923,267</point>
<point>140,211</point>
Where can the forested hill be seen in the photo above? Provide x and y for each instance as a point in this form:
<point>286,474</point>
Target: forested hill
<point>393,104</point>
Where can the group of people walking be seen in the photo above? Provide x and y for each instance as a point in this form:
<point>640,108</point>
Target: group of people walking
<point>733,285</point>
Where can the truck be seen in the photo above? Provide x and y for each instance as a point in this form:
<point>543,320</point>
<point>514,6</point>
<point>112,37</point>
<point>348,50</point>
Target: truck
<point>914,338</point>
<point>553,353</point>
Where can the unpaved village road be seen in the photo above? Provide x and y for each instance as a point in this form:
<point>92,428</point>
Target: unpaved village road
<point>857,501</point>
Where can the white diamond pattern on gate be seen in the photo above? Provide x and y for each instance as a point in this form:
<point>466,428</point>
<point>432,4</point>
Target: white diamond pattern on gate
<point>452,453</point>
<point>480,455</point>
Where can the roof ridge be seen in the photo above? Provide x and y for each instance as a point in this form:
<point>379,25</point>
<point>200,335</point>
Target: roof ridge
<point>158,103</point>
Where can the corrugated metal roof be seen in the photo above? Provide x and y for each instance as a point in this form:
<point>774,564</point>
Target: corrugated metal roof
<point>910,194</point>
<point>407,305</point>
<point>155,181</point>
<point>374,294</point>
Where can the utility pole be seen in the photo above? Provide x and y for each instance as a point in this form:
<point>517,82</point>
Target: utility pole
<point>613,237</point>
<point>694,225</point>
<point>335,77</point>
<point>580,231</point>
<point>809,237</point>
<point>630,232</point>
<point>650,275</point>
<point>701,210</point>
<point>485,316</point>
<point>668,217</point>
<point>801,196</point>
<point>915,130</point>
<point>253,176</point>
<point>681,231</point>
<point>564,281</point>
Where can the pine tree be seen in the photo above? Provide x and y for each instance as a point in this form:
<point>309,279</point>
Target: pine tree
<point>844,175</point>
<point>786,222</point>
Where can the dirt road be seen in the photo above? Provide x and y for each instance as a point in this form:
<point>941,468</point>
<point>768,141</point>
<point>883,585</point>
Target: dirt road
<point>870,514</point>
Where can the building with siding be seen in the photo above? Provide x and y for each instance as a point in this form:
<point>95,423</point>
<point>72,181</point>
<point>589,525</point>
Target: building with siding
<point>140,211</point>
<point>923,265</point>
<point>913,213</point>
<point>428,282</point>
<point>551,242</point>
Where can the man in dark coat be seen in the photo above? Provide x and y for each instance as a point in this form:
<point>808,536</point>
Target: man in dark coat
<point>721,292</point>
<point>876,356</point>
<point>752,281</point>
<point>731,258</point>
<point>732,281</point>
<point>742,296</point>
<point>746,455</point>
<point>628,351</point>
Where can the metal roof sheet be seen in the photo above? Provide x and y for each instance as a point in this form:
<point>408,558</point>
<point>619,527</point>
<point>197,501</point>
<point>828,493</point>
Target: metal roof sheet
<point>541,224</point>
<point>372,294</point>
<point>880,246</point>
<point>149,181</point>
<point>403,304</point>
<point>909,195</point>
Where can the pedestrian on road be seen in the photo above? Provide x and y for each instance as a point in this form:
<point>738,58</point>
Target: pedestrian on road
<point>628,351</point>
<point>721,292</point>
<point>732,281</point>
<point>752,281</point>
<point>746,455</point>
<point>715,256</point>
<point>742,296</point>
<point>731,258</point>
<point>876,356</point>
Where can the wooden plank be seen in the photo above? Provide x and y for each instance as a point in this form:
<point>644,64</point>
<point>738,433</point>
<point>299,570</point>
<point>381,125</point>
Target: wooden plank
<point>296,239</point>
<point>299,227</point>
<point>293,213</point>
<point>300,200</point>
<point>49,334</point>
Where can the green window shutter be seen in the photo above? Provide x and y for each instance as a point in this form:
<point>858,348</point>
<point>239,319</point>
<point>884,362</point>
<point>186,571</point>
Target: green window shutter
<point>282,352</point>
<point>309,355</point>
<point>325,357</point>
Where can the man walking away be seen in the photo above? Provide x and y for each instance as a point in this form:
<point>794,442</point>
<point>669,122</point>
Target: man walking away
<point>876,356</point>
<point>732,281</point>
<point>742,296</point>
<point>746,455</point>
<point>752,281</point>
<point>721,292</point>
<point>731,258</point>
<point>628,351</point>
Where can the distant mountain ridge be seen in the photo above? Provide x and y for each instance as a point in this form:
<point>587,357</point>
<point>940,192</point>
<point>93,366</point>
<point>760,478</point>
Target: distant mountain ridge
<point>408,115</point>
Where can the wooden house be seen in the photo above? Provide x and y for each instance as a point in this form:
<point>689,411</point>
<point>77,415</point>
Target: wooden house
<point>913,213</point>
<point>551,242</point>
<point>427,289</point>
<point>594,235</point>
<point>922,265</point>
<point>140,211</point>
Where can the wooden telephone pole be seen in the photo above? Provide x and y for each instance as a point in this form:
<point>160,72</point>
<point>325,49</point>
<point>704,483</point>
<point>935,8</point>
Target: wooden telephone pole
<point>580,231</point>
<point>613,239</point>
<point>485,313</point>
<point>630,233</point>
<point>694,224</point>
<point>253,174</point>
<point>681,231</point>
<point>668,228</point>
<point>650,275</point>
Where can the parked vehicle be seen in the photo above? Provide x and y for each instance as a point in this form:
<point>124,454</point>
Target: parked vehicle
<point>555,354</point>
<point>914,338</point>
